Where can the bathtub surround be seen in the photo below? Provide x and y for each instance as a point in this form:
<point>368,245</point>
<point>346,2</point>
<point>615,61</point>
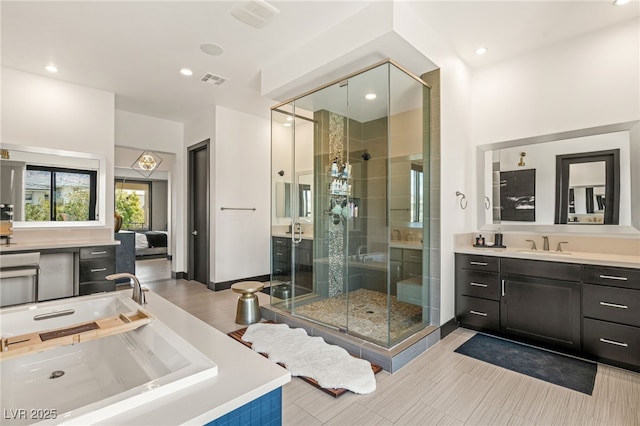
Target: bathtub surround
<point>304,355</point>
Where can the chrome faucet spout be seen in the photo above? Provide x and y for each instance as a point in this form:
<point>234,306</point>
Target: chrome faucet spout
<point>138,293</point>
<point>545,243</point>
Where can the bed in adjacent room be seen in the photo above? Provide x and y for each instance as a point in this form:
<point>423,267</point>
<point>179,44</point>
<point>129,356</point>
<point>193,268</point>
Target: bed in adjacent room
<point>151,244</point>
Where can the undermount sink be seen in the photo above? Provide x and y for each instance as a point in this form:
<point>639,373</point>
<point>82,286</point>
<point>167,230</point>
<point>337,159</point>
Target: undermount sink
<point>546,253</point>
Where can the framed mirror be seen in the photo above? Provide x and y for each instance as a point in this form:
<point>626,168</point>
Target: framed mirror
<point>555,192</point>
<point>588,188</point>
<point>52,187</point>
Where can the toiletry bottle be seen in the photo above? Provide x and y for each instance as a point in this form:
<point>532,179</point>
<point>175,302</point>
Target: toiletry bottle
<point>334,169</point>
<point>481,240</point>
<point>355,211</point>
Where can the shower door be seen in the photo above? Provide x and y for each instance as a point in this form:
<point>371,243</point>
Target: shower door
<point>293,199</point>
<point>356,258</point>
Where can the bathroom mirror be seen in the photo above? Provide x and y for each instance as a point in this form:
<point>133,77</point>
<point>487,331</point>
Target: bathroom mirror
<point>540,154</point>
<point>406,191</point>
<point>24,162</point>
<point>588,188</point>
<point>305,196</point>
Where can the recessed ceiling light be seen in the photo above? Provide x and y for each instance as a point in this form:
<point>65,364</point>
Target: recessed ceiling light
<point>481,50</point>
<point>51,68</point>
<point>211,49</point>
<point>186,71</point>
<point>620,2</point>
<point>289,118</point>
<point>370,96</point>
<point>286,124</point>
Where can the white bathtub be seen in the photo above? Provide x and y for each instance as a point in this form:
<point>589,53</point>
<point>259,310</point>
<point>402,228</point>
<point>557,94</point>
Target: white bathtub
<point>102,378</point>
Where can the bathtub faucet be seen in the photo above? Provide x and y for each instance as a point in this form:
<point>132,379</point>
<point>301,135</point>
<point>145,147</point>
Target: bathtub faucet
<point>138,294</point>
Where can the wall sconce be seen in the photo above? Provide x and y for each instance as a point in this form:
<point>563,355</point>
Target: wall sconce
<point>147,163</point>
<point>522,155</point>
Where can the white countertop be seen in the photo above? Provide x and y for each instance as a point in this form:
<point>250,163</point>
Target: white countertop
<point>604,259</point>
<point>415,245</point>
<point>13,247</point>
<point>243,375</point>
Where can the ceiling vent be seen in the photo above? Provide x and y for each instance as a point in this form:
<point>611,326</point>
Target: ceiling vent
<point>256,13</point>
<point>211,78</point>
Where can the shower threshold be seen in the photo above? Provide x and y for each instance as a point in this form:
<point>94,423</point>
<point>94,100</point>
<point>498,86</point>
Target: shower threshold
<point>390,359</point>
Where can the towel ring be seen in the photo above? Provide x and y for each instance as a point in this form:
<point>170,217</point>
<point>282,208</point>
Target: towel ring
<point>487,203</point>
<point>463,200</point>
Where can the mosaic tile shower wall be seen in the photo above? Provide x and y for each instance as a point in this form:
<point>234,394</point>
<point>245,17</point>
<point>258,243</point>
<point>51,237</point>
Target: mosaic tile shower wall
<point>336,227</point>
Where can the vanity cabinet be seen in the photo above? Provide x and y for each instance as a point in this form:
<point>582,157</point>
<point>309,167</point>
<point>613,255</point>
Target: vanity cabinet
<point>94,266</point>
<point>281,257</point>
<point>611,314</point>
<point>478,291</point>
<point>589,310</point>
<point>535,307</point>
<point>281,261</point>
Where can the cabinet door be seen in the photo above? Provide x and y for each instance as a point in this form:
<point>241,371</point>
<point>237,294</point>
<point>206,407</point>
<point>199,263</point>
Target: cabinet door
<point>543,310</point>
<point>57,276</point>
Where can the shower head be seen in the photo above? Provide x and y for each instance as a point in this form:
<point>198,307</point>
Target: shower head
<point>366,156</point>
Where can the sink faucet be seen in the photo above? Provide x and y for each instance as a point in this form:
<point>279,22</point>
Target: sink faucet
<point>396,234</point>
<point>359,255</point>
<point>559,248</point>
<point>138,294</point>
<point>545,243</point>
<point>533,244</point>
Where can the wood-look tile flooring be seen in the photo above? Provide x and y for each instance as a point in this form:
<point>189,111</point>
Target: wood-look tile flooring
<point>438,387</point>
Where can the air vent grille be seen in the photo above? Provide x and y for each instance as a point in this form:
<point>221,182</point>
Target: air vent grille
<point>214,79</point>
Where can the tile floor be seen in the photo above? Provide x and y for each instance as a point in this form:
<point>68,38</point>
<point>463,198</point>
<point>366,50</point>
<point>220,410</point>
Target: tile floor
<point>438,387</point>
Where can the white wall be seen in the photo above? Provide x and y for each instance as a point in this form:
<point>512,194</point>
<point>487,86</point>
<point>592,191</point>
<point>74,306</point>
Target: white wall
<point>242,179</point>
<point>456,167</point>
<point>583,82</point>
<point>44,112</point>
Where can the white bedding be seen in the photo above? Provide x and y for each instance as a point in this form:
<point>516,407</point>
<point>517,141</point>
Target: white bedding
<point>141,241</point>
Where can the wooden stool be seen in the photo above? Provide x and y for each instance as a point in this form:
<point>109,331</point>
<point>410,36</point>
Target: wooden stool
<point>248,311</point>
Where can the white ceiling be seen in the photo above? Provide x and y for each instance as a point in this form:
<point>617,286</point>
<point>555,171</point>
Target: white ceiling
<point>136,49</point>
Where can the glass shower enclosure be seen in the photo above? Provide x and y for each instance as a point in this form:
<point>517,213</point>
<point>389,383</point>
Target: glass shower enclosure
<point>350,205</point>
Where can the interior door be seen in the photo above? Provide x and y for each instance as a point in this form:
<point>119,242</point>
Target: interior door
<point>198,226</point>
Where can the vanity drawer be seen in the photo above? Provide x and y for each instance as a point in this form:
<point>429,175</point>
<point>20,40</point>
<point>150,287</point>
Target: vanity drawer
<point>477,262</point>
<point>479,284</point>
<point>97,252</point>
<point>414,256</point>
<point>97,287</point>
<point>96,270</point>
<point>541,269</point>
<point>607,275</point>
<point>611,304</point>
<point>611,341</point>
<point>480,313</point>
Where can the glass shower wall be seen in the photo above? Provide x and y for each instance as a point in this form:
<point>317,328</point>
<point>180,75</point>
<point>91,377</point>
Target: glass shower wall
<point>369,271</point>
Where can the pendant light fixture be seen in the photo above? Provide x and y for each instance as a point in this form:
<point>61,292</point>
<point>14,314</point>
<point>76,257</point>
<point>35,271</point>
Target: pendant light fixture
<point>147,163</point>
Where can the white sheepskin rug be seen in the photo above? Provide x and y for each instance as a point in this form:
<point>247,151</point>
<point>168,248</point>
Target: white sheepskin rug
<point>303,355</point>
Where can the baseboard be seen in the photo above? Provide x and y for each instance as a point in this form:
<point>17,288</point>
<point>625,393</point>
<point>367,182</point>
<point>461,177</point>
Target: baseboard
<point>225,285</point>
<point>179,275</point>
<point>448,327</point>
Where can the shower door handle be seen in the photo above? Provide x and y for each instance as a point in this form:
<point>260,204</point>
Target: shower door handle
<point>297,229</point>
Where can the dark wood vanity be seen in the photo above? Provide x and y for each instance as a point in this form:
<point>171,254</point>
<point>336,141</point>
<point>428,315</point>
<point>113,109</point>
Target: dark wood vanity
<point>586,310</point>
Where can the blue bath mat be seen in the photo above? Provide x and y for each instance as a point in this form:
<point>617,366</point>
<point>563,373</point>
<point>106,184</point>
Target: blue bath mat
<point>554,368</point>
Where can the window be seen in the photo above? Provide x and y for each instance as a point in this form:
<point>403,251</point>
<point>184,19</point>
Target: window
<point>59,194</point>
<point>133,203</point>
<point>417,191</point>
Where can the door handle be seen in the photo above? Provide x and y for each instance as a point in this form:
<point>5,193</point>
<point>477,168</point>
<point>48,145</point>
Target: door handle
<point>194,233</point>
